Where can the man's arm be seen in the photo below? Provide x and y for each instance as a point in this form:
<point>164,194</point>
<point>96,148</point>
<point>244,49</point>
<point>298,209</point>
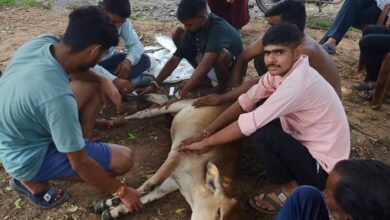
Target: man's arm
<point>134,47</point>
<point>200,72</point>
<point>93,174</point>
<point>226,135</point>
<point>228,116</point>
<point>108,89</point>
<point>242,61</point>
<point>231,96</point>
<point>168,68</point>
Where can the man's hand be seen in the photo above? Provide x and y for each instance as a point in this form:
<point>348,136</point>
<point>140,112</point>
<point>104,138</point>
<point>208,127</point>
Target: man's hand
<point>230,1</point>
<point>123,70</point>
<point>131,199</point>
<point>108,89</point>
<point>208,100</point>
<point>200,147</point>
<point>123,85</point>
<point>191,140</point>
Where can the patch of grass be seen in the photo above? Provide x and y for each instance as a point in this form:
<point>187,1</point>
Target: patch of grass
<point>29,3</point>
<point>325,24</point>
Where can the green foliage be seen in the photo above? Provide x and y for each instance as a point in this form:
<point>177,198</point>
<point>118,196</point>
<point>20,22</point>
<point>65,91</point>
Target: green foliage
<point>325,24</point>
<point>29,3</point>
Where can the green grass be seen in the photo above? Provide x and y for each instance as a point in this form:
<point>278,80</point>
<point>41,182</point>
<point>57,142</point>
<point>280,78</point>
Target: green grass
<point>29,3</point>
<point>325,24</point>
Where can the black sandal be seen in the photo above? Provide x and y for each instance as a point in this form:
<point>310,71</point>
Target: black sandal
<point>366,95</point>
<point>270,201</point>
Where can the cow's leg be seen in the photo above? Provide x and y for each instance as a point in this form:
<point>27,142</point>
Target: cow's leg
<point>168,186</point>
<point>162,173</point>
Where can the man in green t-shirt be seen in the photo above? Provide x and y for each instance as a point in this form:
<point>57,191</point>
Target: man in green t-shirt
<point>207,42</point>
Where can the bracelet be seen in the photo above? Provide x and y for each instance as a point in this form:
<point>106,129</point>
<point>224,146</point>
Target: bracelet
<point>177,95</point>
<point>205,133</point>
<point>120,192</point>
<point>155,84</point>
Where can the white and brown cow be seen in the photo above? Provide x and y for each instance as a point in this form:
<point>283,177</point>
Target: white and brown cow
<point>203,185</point>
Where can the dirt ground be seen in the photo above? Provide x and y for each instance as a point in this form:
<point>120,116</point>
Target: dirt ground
<point>369,128</point>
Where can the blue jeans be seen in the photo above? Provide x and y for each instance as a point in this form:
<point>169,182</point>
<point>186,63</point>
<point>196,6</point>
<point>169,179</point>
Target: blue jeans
<point>305,203</point>
<point>57,166</point>
<point>111,63</point>
<point>352,12</point>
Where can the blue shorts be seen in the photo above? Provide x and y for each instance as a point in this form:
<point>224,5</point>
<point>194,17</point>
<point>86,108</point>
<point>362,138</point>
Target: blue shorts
<point>56,164</point>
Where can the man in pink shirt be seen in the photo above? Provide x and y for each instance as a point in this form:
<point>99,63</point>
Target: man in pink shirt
<point>300,131</point>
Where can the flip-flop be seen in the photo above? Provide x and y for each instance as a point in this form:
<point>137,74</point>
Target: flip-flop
<point>366,94</point>
<point>271,202</point>
<point>365,86</point>
<point>46,199</point>
<point>328,48</point>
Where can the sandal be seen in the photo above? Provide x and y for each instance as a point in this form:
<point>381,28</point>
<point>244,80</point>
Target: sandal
<point>366,94</point>
<point>270,201</point>
<point>365,86</point>
<point>46,199</point>
<point>328,48</point>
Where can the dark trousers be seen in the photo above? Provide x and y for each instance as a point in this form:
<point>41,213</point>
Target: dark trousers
<point>305,203</point>
<point>373,46</point>
<point>352,12</point>
<point>111,64</point>
<point>285,159</point>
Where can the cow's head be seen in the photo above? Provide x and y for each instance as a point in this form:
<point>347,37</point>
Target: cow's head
<point>215,204</point>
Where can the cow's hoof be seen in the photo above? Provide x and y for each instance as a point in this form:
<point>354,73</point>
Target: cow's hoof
<point>99,206</point>
<point>106,215</point>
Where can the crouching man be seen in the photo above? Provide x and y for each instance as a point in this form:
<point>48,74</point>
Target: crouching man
<point>40,132</point>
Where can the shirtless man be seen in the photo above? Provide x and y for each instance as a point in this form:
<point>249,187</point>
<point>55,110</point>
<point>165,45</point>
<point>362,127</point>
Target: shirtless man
<point>287,11</point>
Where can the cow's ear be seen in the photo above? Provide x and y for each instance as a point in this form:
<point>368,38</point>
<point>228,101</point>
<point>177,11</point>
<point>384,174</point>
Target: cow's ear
<point>213,179</point>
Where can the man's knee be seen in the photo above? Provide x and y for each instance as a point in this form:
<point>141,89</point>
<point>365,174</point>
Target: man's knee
<point>122,160</point>
<point>309,194</point>
<point>224,58</point>
<point>263,137</point>
<point>176,35</point>
<point>84,92</point>
<point>127,160</point>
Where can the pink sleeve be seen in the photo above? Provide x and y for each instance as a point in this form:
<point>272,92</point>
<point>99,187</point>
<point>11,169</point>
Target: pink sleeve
<point>264,88</point>
<point>286,99</point>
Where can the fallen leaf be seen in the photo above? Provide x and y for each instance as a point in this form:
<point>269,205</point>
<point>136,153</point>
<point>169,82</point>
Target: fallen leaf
<point>8,188</point>
<point>17,204</point>
<point>72,208</point>
<point>179,211</point>
<point>131,136</point>
<point>147,176</point>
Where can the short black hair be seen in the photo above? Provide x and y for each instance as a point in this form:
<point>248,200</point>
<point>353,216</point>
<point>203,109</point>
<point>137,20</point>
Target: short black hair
<point>285,34</point>
<point>87,26</point>
<point>188,9</point>
<point>290,11</point>
<point>118,7</point>
<point>363,190</point>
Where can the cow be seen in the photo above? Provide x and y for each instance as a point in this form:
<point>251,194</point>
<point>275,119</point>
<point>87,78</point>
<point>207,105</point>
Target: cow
<point>204,186</point>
